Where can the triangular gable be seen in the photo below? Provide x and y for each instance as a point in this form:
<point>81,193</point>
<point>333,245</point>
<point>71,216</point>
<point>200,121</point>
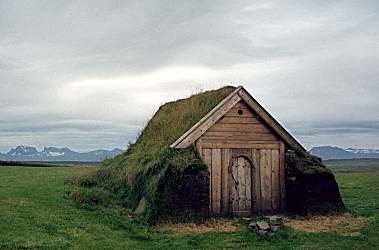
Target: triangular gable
<point>222,108</point>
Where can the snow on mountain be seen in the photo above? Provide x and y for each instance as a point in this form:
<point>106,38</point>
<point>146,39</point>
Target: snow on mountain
<point>55,153</point>
<point>362,151</point>
<point>328,152</point>
<point>22,150</point>
<point>26,153</point>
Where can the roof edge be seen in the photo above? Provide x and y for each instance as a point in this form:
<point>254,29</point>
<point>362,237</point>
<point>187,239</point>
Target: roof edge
<point>177,143</point>
<point>270,120</point>
<point>240,94</point>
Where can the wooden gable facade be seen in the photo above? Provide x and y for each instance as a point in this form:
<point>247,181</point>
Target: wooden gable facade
<point>244,149</point>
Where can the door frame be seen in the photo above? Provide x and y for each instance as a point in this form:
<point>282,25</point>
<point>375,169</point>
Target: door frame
<point>245,153</point>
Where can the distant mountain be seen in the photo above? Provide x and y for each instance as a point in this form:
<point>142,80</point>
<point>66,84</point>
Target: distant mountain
<point>26,153</point>
<point>328,152</point>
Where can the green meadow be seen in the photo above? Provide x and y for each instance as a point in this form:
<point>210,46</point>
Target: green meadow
<point>352,165</point>
<point>35,213</point>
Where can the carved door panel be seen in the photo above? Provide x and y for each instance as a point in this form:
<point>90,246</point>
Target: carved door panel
<point>240,176</point>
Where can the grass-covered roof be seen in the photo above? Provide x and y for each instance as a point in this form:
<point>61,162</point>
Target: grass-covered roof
<point>170,121</point>
<point>150,168</point>
<point>139,170</point>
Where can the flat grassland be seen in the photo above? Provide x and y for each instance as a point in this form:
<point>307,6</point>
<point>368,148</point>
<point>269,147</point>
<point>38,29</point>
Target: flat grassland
<point>351,165</point>
<point>35,214</point>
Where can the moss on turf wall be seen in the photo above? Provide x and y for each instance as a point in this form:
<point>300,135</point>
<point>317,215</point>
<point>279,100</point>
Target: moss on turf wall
<point>151,169</point>
<point>311,188</point>
<point>141,170</point>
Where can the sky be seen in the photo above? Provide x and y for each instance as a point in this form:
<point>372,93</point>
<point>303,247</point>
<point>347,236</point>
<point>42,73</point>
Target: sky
<point>89,74</point>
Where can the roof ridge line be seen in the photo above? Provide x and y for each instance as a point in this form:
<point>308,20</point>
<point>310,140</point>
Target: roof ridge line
<point>202,120</point>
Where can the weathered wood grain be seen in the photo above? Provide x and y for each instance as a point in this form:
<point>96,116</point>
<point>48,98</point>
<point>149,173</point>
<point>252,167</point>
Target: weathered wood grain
<point>242,138</point>
<point>239,120</point>
<point>199,148</point>
<point>257,180</point>
<point>275,185</point>
<point>207,158</point>
<point>241,104</point>
<point>241,127</point>
<point>207,121</point>
<point>241,184</point>
<point>262,113</point>
<point>238,144</point>
<point>251,135</point>
<point>233,185</point>
<point>282,176</point>
<point>265,163</point>
<point>248,183</point>
<point>225,181</point>
<point>233,112</point>
<point>216,181</point>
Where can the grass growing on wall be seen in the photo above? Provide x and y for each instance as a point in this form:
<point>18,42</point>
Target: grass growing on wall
<point>138,172</point>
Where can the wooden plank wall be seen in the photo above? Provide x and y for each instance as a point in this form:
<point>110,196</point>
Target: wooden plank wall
<point>216,180</point>
<point>267,180</point>
<point>257,204</point>
<point>282,176</point>
<point>236,130</point>
<point>275,182</point>
<point>265,164</point>
<point>207,158</point>
<point>217,161</point>
<point>225,181</point>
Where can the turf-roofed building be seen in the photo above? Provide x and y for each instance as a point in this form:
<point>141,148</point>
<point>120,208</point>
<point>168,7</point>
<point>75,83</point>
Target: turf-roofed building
<point>219,153</point>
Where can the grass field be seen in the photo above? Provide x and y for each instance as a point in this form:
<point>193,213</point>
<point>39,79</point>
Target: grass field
<point>353,165</point>
<point>34,214</point>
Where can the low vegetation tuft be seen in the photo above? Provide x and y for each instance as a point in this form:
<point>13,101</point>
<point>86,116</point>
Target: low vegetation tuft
<point>85,178</point>
<point>89,197</point>
<point>306,163</point>
<point>150,169</point>
<point>35,215</point>
<point>141,170</point>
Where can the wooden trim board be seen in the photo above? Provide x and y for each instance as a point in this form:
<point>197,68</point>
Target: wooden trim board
<point>207,121</point>
<point>222,108</point>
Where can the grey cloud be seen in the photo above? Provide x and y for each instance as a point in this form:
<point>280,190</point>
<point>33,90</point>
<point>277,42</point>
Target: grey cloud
<point>320,59</point>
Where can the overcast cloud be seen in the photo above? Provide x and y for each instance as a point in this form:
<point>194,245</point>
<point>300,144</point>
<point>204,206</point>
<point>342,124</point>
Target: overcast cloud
<point>89,74</point>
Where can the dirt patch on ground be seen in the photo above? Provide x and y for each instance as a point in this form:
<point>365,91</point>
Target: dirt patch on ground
<point>215,225</point>
<point>343,224</point>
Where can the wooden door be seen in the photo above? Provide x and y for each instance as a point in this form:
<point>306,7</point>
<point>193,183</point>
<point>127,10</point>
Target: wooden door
<point>240,183</point>
<point>245,180</point>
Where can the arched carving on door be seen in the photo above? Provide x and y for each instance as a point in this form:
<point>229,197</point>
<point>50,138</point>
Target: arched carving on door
<point>241,169</point>
<point>235,159</point>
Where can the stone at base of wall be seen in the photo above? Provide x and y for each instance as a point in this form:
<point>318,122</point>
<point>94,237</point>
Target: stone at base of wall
<point>269,227</point>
